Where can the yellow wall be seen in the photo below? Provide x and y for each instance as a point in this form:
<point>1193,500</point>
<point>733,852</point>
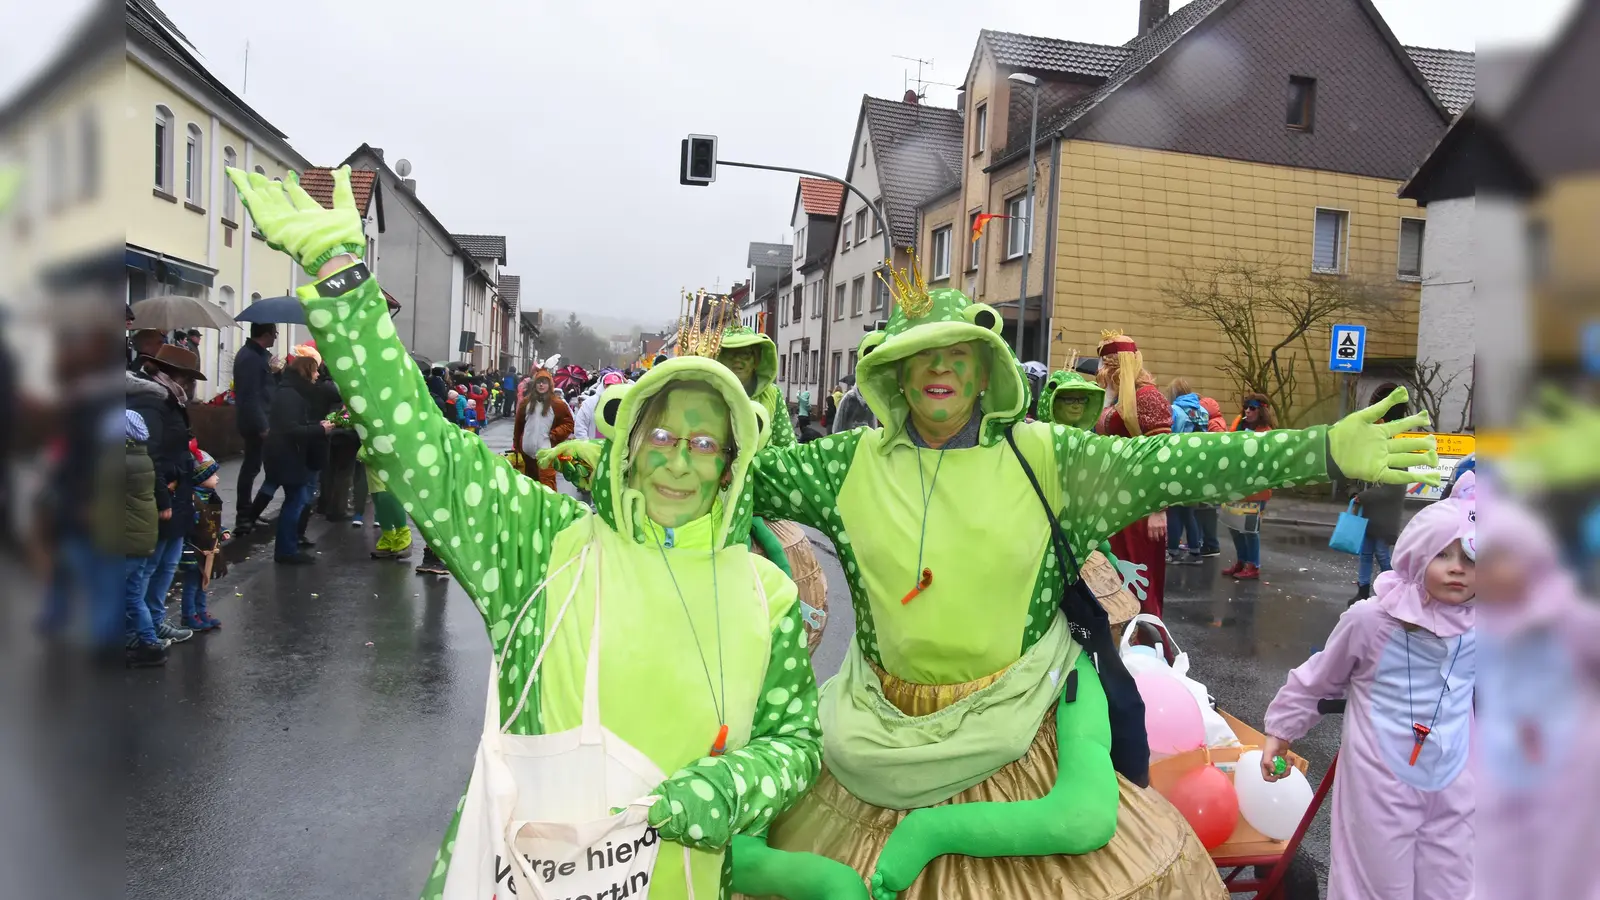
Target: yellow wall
<point>1129,219</point>
<point>1568,297</point>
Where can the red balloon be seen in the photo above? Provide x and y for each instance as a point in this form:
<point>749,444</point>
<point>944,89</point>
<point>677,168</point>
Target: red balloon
<point>1207,800</point>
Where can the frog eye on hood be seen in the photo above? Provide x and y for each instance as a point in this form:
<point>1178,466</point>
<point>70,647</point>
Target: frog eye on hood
<point>870,343</point>
<point>763,424</point>
<point>605,415</point>
<point>984,316</point>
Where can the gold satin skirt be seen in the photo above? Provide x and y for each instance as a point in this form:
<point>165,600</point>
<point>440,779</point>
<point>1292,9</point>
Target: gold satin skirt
<point>1154,855</point>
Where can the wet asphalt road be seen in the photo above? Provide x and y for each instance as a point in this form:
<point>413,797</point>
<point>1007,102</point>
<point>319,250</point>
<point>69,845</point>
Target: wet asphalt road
<point>316,746</point>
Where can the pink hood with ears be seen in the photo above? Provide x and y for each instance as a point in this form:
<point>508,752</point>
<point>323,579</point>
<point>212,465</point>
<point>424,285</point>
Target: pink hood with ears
<point>1400,592</point>
<point>1551,591</point>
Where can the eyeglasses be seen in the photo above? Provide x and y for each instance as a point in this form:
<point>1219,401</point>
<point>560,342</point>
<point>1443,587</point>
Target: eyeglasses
<point>1253,404</point>
<point>699,444</point>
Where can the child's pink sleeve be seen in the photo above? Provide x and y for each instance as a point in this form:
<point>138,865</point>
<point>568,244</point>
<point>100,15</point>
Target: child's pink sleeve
<point>1325,676</point>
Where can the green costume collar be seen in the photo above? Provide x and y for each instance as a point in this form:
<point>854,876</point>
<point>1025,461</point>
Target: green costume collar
<point>951,318</point>
<point>621,507</point>
<point>1073,382</point>
<point>737,337</point>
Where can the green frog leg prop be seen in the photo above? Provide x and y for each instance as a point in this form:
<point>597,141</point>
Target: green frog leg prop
<point>1078,815</point>
<point>500,535</point>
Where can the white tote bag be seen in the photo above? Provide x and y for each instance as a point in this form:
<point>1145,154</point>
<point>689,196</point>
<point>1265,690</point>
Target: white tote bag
<point>537,821</point>
<point>1218,732</point>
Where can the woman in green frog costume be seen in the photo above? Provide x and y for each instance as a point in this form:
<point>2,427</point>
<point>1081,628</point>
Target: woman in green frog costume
<point>1068,398</point>
<point>705,668</point>
<point>953,737</point>
<point>753,359</point>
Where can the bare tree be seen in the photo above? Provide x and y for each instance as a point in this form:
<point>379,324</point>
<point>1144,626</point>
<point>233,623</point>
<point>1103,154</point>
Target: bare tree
<point>1269,311</point>
<point>1431,388</point>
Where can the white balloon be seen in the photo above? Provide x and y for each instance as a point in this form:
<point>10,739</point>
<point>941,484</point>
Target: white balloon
<point>1273,808</point>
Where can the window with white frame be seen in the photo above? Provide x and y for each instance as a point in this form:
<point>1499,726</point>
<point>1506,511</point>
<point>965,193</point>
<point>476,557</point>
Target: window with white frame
<point>877,226</point>
<point>193,147</point>
<point>799,243</point>
<point>1328,242</point>
<point>972,242</point>
<point>861,225</point>
<point>794,366</point>
<point>164,139</point>
<point>980,129</point>
<point>816,367</point>
<point>57,184</point>
<point>1411,232</point>
<point>852,362</point>
<point>798,303</point>
<point>880,293</point>
<point>1019,228</point>
<point>89,157</point>
<point>857,288</point>
<point>838,302</point>
<point>230,194</point>
<point>844,243</point>
<point>783,368</point>
<point>939,263</point>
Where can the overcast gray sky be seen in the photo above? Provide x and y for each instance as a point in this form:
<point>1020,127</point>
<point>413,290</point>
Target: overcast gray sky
<point>557,123</point>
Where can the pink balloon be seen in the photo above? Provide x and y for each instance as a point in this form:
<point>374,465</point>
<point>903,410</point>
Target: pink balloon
<point>1171,715</point>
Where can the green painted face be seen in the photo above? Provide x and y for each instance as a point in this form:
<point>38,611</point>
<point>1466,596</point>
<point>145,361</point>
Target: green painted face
<point>942,385</point>
<point>742,362</point>
<point>681,450</point>
<point>1068,407</point>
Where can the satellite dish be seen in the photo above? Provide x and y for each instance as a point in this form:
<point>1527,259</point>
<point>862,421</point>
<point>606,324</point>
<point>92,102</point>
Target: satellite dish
<point>403,168</point>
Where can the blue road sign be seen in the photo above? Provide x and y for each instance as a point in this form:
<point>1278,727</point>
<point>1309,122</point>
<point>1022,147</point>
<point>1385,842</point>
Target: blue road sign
<point>1347,352</point>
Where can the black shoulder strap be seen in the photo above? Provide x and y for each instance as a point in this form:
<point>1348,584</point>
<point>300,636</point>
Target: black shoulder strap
<point>1063,546</point>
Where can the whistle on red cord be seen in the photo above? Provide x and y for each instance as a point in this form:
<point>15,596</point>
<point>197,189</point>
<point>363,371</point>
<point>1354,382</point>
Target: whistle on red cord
<point>720,746</point>
<point>922,585</point>
<point>1421,731</point>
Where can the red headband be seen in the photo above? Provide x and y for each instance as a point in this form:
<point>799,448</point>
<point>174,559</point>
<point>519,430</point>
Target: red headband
<point>1122,346</point>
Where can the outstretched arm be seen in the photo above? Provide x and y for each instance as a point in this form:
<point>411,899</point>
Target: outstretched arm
<point>801,482</point>
<point>1078,815</point>
<point>1107,482</point>
<point>487,522</point>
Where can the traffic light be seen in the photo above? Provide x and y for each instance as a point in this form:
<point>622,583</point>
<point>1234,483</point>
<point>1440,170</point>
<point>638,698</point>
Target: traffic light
<point>698,162</point>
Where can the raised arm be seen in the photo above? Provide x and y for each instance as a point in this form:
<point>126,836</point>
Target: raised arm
<point>488,523</point>
<point>801,482</point>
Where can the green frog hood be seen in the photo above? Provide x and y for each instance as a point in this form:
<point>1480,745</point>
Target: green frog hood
<point>737,337</point>
<point>1072,382</point>
<point>622,507</point>
<point>939,318</point>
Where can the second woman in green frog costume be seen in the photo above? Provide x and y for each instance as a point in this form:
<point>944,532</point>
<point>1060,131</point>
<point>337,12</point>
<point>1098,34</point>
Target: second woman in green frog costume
<point>949,744</point>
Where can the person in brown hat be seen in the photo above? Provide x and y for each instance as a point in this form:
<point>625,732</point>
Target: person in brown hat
<point>160,393</point>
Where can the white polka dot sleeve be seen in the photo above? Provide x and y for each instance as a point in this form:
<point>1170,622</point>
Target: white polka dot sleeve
<point>1108,482</point>
<point>705,804</point>
<point>492,526</point>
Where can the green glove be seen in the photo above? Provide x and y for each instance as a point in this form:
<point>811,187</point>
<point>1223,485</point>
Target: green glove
<point>690,814</point>
<point>1366,449</point>
<point>298,225</point>
<point>575,460</point>
<point>1551,449</point>
<point>760,871</point>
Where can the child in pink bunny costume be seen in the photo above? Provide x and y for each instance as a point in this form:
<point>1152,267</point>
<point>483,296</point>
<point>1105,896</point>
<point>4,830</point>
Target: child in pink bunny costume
<point>1538,716</point>
<point>1405,661</point>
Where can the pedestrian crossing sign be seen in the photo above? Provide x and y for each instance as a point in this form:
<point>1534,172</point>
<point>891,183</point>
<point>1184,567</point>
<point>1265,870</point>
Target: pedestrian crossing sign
<point>1347,352</point>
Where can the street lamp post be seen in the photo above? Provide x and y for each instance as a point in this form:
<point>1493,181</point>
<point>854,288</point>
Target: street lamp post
<point>1027,233</point>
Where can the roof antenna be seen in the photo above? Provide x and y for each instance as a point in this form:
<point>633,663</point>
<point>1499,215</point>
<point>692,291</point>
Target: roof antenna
<point>246,88</point>
<point>919,81</point>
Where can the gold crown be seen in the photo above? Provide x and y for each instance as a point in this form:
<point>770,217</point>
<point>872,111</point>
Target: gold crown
<point>909,290</point>
<point>701,323</point>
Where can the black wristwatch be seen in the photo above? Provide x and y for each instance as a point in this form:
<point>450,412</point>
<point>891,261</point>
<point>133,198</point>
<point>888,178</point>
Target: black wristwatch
<point>344,281</point>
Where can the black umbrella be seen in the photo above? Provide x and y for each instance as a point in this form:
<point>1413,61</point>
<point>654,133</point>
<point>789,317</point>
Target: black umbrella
<point>278,310</point>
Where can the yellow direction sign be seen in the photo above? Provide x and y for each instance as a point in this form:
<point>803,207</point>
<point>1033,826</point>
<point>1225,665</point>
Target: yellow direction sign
<point>1448,444</point>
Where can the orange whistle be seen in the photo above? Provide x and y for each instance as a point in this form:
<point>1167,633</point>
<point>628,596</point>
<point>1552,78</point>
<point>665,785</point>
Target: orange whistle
<point>721,745</point>
<point>922,585</point>
<point>1422,732</point>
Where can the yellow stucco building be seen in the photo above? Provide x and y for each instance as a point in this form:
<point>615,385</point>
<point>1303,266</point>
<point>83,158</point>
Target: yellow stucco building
<point>1273,133</point>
